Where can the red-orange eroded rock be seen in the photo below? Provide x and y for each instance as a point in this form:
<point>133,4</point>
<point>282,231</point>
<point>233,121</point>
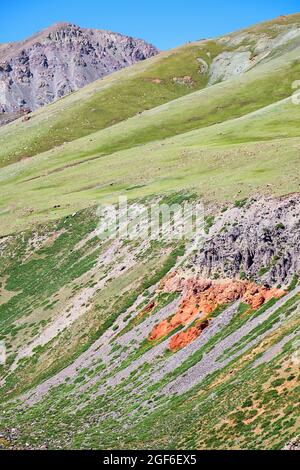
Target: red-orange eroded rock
<point>200,297</point>
<point>183,338</point>
<point>149,307</point>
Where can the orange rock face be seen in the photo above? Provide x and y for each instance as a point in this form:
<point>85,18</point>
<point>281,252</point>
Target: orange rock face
<point>200,297</point>
<point>183,338</point>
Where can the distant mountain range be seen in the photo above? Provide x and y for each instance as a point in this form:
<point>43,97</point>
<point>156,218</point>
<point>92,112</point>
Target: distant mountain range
<point>59,60</point>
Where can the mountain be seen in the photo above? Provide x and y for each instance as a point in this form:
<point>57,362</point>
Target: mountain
<point>59,60</point>
<point>158,342</point>
<point>179,73</point>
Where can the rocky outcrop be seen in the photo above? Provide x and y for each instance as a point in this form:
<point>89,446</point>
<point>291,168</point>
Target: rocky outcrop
<point>250,48</point>
<point>59,60</point>
<point>252,248</point>
<point>200,298</point>
<point>256,239</point>
<point>183,338</point>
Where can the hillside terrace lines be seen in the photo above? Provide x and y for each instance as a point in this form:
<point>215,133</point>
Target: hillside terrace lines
<point>118,255</point>
<point>115,260</point>
<point>77,306</point>
<point>153,354</point>
<point>101,351</point>
<point>118,372</point>
<point>210,363</point>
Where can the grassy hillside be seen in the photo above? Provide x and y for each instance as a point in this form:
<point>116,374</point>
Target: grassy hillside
<point>86,374</point>
<point>159,80</point>
<point>221,163</point>
<point>232,121</point>
<point>77,313</point>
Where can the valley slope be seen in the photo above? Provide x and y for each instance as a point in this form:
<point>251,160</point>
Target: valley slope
<point>146,343</point>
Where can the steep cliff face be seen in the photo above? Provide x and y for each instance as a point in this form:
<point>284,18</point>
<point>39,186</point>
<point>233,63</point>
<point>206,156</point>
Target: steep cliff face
<point>257,239</point>
<point>59,60</point>
<point>253,248</point>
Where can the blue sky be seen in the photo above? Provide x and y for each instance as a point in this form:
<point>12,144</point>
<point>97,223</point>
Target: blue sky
<point>165,23</point>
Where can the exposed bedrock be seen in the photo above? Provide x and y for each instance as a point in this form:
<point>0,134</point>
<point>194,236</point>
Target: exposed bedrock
<point>250,255</point>
<point>259,240</point>
<point>200,298</point>
<point>59,60</point>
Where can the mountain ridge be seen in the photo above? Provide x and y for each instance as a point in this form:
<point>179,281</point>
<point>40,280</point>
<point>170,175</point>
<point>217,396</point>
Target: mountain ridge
<point>59,60</point>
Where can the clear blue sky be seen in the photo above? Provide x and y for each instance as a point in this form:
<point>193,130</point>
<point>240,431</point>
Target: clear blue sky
<point>165,23</point>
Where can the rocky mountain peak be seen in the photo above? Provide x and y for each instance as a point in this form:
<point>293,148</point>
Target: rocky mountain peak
<point>59,60</point>
<point>62,31</point>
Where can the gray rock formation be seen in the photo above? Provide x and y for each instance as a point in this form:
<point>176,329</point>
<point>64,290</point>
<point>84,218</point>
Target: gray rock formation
<point>293,445</point>
<point>59,60</point>
<point>260,239</point>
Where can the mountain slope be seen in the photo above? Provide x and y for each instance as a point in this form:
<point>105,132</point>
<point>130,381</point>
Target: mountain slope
<point>156,81</point>
<point>154,342</point>
<point>87,369</point>
<point>222,162</point>
<point>59,60</point>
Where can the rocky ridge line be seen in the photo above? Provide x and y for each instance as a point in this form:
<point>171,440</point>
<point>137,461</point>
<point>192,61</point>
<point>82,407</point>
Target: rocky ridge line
<point>59,60</point>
